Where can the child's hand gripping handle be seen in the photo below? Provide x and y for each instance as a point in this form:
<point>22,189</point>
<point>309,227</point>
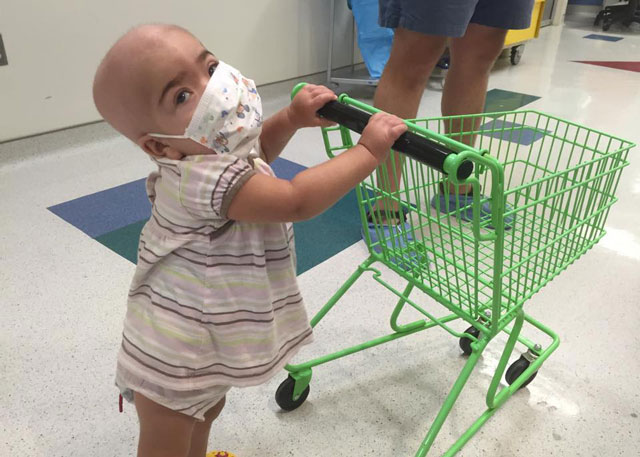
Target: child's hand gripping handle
<point>415,146</point>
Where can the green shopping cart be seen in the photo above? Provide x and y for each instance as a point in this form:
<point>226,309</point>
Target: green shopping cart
<point>542,189</point>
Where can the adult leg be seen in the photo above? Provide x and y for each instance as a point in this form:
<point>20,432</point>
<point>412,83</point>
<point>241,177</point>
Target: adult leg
<point>413,57</point>
<point>163,432</point>
<point>200,435</point>
<point>465,89</point>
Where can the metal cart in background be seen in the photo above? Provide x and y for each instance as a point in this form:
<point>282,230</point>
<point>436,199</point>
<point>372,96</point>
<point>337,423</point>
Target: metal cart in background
<point>549,199</point>
<point>624,12</point>
<point>354,74</point>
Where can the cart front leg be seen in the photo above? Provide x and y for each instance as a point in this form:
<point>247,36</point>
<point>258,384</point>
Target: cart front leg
<point>502,364</point>
<point>299,372</point>
<point>496,400</point>
<point>341,291</point>
<point>480,345</point>
<point>396,313</point>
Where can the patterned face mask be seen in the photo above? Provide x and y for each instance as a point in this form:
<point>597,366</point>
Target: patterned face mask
<point>228,118</point>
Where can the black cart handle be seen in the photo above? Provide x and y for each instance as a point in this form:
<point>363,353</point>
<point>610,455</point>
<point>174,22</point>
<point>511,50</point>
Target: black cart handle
<point>417,147</point>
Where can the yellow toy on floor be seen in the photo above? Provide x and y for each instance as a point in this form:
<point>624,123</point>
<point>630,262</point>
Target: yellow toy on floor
<point>220,454</point>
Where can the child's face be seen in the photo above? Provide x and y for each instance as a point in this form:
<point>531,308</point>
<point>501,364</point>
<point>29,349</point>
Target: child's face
<point>180,74</point>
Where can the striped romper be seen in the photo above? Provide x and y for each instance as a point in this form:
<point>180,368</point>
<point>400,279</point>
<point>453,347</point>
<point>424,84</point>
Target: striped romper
<point>214,303</point>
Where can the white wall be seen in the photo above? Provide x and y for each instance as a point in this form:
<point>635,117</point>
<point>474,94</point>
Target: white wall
<point>54,46</point>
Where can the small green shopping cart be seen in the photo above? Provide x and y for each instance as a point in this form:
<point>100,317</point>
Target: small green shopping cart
<point>541,188</point>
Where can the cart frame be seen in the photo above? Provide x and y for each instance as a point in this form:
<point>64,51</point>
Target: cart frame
<point>584,182</point>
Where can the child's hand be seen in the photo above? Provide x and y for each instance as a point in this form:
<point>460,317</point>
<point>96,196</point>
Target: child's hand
<point>381,132</point>
<point>303,108</point>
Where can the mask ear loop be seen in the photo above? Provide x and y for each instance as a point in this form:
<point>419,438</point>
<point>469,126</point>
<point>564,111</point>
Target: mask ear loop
<point>162,135</point>
<point>204,100</point>
<point>197,116</point>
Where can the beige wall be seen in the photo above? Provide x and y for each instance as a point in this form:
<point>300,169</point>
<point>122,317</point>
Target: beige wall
<point>54,46</point>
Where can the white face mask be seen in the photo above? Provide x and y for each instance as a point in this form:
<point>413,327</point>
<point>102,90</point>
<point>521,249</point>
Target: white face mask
<point>228,118</point>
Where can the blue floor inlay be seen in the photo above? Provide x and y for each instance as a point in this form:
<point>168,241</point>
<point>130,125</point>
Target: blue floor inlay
<point>115,217</point>
<point>595,36</point>
<point>509,131</point>
<point>108,210</point>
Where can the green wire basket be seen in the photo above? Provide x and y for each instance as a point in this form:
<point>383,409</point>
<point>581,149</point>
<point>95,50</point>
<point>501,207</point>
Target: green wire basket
<point>541,191</point>
<point>552,181</point>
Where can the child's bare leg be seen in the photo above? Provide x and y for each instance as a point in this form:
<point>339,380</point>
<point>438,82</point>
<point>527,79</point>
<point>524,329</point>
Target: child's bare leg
<point>200,435</point>
<point>163,432</point>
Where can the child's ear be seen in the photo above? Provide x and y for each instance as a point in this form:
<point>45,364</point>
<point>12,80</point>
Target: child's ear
<point>156,148</point>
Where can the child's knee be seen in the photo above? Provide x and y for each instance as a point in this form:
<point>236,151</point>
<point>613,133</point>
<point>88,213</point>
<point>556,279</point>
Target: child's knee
<point>163,432</point>
<point>215,410</point>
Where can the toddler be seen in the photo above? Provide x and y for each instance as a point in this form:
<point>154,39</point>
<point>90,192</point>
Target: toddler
<point>214,301</point>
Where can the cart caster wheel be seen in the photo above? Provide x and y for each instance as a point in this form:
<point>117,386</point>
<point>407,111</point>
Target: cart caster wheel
<point>516,54</point>
<point>606,24</point>
<point>443,63</point>
<point>465,343</point>
<point>284,395</point>
<point>516,369</point>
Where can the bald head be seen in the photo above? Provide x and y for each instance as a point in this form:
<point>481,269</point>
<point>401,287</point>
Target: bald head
<point>128,77</point>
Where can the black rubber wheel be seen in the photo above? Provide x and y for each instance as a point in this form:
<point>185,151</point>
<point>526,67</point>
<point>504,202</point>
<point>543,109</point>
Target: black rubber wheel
<point>443,63</point>
<point>516,369</point>
<point>516,54</point>
<point>606,24</point>
<point>284,395</point>
<point>598,19</point>
<point>465,343</point>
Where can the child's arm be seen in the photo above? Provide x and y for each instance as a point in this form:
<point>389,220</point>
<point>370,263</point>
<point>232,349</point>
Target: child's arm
<point>279,128</point>
<point>267,199</point>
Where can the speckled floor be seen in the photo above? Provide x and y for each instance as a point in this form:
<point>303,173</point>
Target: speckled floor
<point>63,295</point>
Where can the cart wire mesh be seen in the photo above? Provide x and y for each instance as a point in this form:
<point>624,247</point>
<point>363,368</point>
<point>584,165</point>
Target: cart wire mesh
<point>557,183</point>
